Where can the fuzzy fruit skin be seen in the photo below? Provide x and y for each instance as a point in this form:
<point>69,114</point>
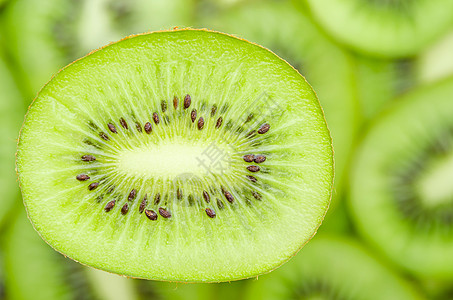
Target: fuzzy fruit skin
<point>87,244</point>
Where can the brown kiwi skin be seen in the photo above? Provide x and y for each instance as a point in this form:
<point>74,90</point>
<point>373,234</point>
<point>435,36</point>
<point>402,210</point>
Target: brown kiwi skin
<point>177,29</point>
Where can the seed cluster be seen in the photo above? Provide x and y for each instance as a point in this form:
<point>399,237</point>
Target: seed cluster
<point>158,206</point>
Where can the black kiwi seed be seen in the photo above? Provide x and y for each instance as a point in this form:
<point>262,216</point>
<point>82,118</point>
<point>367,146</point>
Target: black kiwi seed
<point>219,203</point>
<point>187,101</point>
<point>249,118</point>
<point>157,198</point>
<point>253,168</point>
<point>206,197</point>
<point>148,127</point>
<point>82,177</point>
<point>109,206</point>
<point>256,195</point>
<point>123,123</point>
<point>228,196</point>
<point>191,200</point>
<point>213,110</point>
<point>155,118</point>
<point>219,122</point>
<point>179,194</point>
<point>112,128</point>
<point>132,195</point>
<point>88,158</point>
<point>110,190</point>
<point>175,102</point>
<point>251,133</point>
<point>248,157</point>
<point>92,125</point>
<point>259,159</point>
<point>138,126</point>
<point>164,213</point>
<point>104,136</point>
<point>163,105</point>
<point>151,214</point>
<point>251,178</point>
<point>200,123</point>
<point>264,128</point>
<point>210,213</point>
<point>93,186</point>
<point>125,209</point>
<point>90,143</point>
<point>193,115</point>
<point>143,204</point>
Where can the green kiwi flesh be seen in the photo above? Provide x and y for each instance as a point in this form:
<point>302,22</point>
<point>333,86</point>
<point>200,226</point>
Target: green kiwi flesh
<point>332,268</point>
<point>401,196</point>
<point>183,155</point>
<point>11,117</point>
<point>395,28</point>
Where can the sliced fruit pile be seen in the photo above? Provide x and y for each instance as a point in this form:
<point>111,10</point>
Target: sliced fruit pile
<point>190,170</point>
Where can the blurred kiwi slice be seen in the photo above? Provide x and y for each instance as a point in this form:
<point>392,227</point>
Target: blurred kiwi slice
<point>184,155</point>
<point>379,81</point>
<point>44,36</point>
<point>437,61</point>
<point>35,271</point>
<point>32,266</point>
<point>11,117</point>
<point>200,291</point>
<point>401,195</point>
<point>332,268</point>
<point>282,27</point>
<point>384,28</point>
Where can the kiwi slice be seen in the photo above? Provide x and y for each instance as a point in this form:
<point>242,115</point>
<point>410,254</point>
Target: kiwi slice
<point>332,268</point>
<point>35,271</point>
<point>401,195</point>
<point>436,62</point>
<point>200,291</point>
<point>394,28</point>
<point>11,117</point>
<point>184,155</point>
<point>46,35</point>
<point>280,26</point>
<point>379,81</point>
<point>2,277</point>
<point>32,266</point>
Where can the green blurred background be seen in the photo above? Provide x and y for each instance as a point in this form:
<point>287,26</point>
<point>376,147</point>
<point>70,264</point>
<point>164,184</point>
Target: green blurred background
<point>365,249</point>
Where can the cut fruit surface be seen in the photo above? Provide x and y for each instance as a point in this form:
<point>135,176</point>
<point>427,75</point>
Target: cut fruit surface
<point>332,268</point>
<point>11,116</point>
<point>401,191</point>
<point>184,155</point>
<point>396,28</point>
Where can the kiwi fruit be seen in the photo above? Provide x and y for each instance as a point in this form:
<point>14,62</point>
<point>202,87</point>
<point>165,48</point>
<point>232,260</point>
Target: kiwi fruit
<point>2,278</point>
<point>35,271</point>
<point>437,61</point>
<point>333,268</point>
<point>282,27</point>
<point>393,28</point>
<point>11,117</point>
<point>32,266</point>
<point>43,36</point>
<point>182,155</point>
<point>379,81</point>
<point>201,291</point>
<point>401,196</point>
